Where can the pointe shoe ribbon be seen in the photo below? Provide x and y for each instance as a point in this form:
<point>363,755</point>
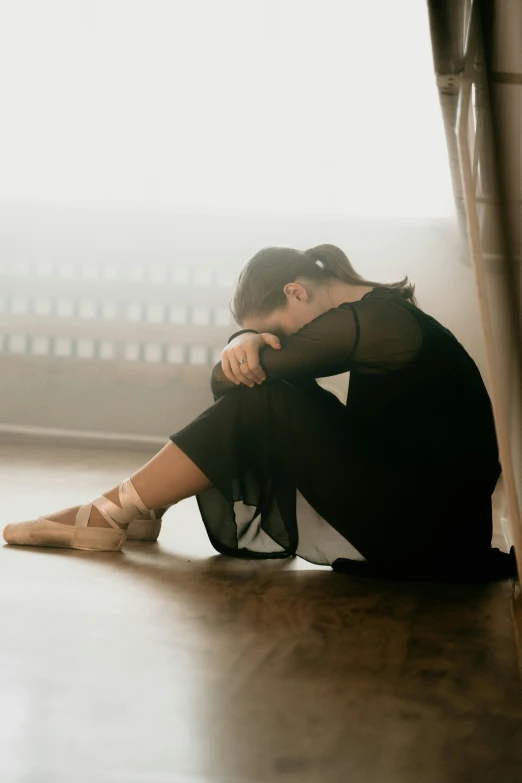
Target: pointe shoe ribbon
<point>131,506</point>
<point>46,532</point>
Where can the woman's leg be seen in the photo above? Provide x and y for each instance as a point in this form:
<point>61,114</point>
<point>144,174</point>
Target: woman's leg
<point>170,476</point>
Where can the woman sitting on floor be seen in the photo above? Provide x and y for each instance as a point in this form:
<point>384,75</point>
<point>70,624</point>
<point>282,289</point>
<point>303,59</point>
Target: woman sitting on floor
<point>397,482</point>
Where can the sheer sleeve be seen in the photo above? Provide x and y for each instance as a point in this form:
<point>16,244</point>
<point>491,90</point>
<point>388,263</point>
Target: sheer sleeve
<point>372,336</point>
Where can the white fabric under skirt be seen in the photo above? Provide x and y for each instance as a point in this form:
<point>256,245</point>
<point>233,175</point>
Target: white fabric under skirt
<point>319,542</point>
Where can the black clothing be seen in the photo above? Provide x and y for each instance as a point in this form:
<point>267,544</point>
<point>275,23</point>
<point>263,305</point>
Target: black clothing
<point>404,472</point>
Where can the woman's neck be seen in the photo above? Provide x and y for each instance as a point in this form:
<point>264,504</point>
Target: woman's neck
<point>341,292</point>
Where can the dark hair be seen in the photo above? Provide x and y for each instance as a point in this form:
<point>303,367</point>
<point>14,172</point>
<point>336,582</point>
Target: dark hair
<point>259,288</point>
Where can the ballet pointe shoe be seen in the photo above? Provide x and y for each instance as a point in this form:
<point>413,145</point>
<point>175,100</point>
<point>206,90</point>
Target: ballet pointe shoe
<point>147,529</point>
<point>46,532</point>
<point>147,526</point>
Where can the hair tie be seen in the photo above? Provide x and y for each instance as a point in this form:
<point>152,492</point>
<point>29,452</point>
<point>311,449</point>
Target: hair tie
<point>311,255</point>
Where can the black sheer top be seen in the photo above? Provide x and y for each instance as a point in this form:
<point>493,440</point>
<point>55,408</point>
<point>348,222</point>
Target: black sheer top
<point>413,386</point>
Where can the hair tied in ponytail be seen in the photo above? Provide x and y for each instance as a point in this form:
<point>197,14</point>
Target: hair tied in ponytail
<point>260,288</point>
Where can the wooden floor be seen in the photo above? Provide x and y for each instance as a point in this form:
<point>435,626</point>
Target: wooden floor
<point>168,663</point>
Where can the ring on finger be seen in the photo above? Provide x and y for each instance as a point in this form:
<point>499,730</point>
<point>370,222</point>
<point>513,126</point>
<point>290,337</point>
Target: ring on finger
<point>242,361</point>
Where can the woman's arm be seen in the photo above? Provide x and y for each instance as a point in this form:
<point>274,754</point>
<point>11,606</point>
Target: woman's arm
<point>382,335</point>
<point>322,347</point>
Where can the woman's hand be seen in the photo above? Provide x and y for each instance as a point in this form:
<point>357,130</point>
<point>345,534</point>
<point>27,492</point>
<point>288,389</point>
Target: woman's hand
<point>246,346</point>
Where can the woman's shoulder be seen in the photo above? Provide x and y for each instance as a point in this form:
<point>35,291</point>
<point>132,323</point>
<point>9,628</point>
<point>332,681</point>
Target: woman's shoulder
<point>386,312</point>
<point>389,306</point>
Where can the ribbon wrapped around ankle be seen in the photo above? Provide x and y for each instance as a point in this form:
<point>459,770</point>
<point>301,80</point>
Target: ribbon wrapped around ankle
<point>131,507</point>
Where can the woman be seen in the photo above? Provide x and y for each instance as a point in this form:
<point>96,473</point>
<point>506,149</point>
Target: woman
<point>397,483</point>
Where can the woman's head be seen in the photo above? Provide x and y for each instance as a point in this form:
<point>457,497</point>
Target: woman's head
<point>275,284</point>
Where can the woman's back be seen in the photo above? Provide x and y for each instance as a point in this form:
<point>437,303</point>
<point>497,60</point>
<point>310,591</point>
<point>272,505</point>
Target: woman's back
<point>408,372</point>
<point>428,395</point>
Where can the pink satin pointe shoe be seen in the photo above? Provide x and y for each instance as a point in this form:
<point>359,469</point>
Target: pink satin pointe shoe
<point>147,526</point>
<point>145,529</point>
<point>46,532</point>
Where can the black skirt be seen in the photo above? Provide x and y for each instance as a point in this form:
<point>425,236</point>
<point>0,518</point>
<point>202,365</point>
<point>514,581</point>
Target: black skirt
<point>291,475</point>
